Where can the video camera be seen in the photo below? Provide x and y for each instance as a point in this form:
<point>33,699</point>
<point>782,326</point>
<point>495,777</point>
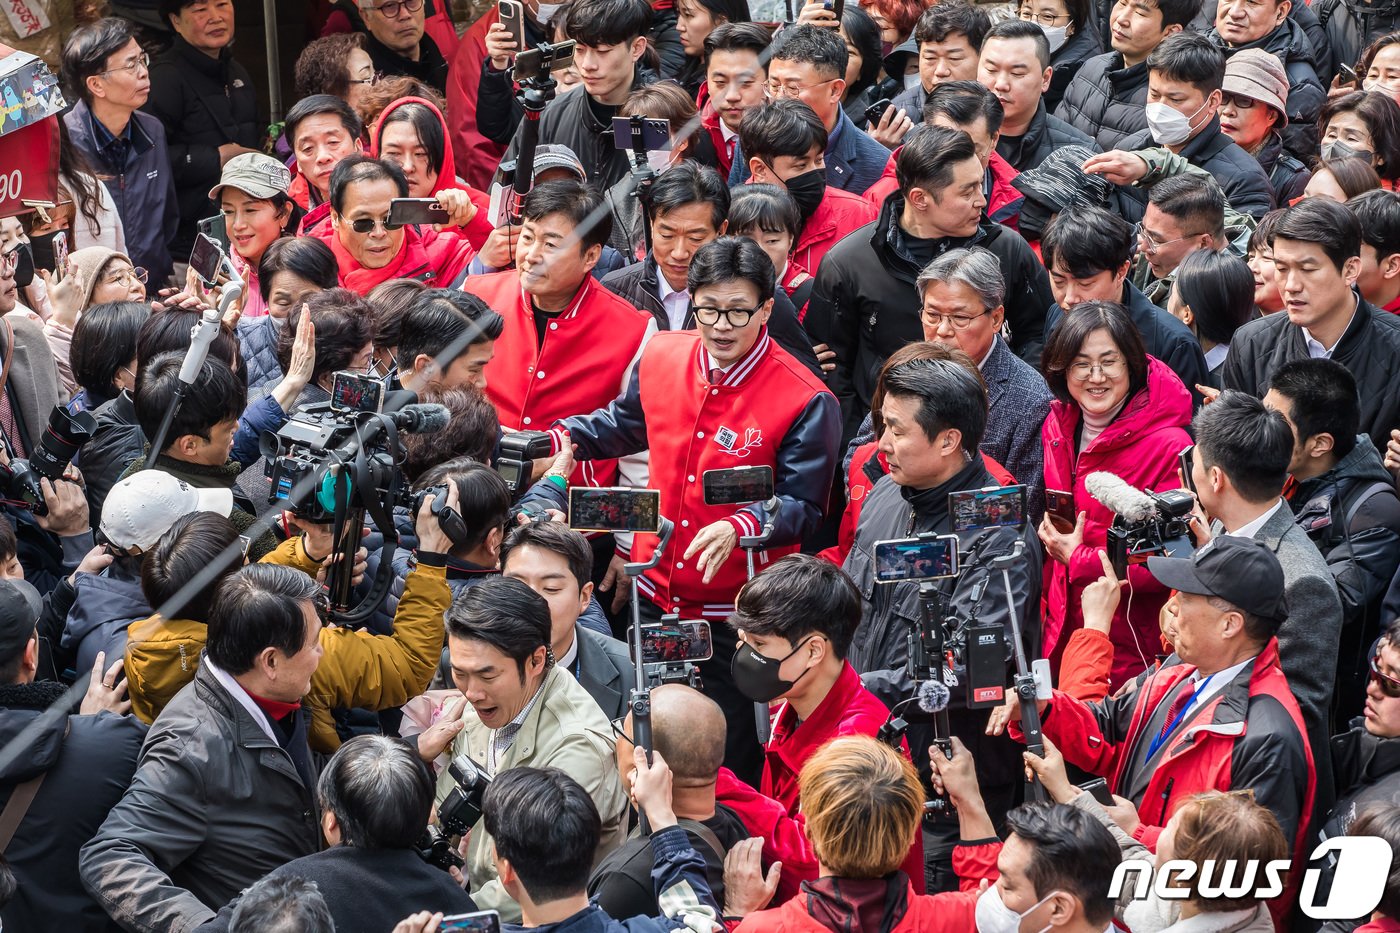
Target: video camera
<point>516,462</point>
<point>457,814</point>
<point>1145,524</point>
<point>65,434</point>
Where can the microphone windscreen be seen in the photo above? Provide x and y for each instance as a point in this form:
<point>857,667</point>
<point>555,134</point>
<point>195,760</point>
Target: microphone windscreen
<point>425,417</point>
<point>1119,497</point>
<point>933,696</point>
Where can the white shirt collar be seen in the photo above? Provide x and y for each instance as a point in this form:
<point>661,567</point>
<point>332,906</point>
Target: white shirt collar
<point>1250,529</point>
<point>725,133</point>
<point>677,303</point>
<point>1216,354</point>
<point>1209,687</point>
<point>235,690</point>
<point>567,661</point>
<point>1316,350</point>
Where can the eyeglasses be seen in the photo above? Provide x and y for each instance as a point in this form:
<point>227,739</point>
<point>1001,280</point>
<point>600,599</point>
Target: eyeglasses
<point>127,276</point>
<point>1044,19</point>
<point>1150,245</point>
<point>618,730</point>
<point>1388,685</point>
<point>959,321</point>
<point>9,262</point>
<point>367,225</point>
<point>792,89</point>
<point>737,317</point>
<point>1109,369</point>
<point>1238,101</point>
<point>372,80</point>
<point>392,9</point>
<point>138,64</point>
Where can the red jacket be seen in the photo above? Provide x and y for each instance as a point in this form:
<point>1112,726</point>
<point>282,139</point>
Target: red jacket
<point>573,372</point>
<point>767,409</point>
<point>839,213</point>
<point>1249,734</point>
<point>432,257</point>
<point>948,912</point>
<point>476,154</point>
<point>1003,203</point>
<point>479,227</point>
<point>1141,447</point>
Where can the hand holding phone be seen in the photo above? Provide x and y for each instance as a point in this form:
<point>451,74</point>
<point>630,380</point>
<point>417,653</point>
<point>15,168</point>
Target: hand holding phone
<point>60,255</point>
<point>417,211</point>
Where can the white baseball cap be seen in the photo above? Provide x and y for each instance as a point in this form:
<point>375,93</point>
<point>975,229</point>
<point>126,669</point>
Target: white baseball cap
<point>142,507</point>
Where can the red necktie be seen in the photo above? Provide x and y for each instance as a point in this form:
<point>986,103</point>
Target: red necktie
<point>1185,692</point>
<point>716,376</point>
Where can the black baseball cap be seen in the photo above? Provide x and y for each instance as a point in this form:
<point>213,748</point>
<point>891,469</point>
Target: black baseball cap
<point>20,605</point>
<point>1241,571</point>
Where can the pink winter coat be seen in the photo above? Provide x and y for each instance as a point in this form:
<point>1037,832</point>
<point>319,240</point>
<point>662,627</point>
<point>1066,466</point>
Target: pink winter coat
<point>1141,447</point>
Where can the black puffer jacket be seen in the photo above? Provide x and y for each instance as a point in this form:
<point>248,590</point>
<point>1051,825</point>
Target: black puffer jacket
<point>1078,49</point>
<point>1106,100</point>
<point>203,103</point>
<point>1370,349</point>
<point>1306,94</point>
<point>1243,180</point>
<point>1045,134</point>
<point>86,771</point>
<point>1326,50</point>
<point>1288,176</point>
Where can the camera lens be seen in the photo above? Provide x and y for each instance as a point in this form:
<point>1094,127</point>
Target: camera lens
<point>65,434</point>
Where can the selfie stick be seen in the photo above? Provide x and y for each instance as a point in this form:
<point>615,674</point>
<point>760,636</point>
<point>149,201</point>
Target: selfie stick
<point>763,722</point>
<point>640,702</point>
<point>642,176</point>
<point>1024,683</point>
<point>202,337</point>
<point>535,92</point>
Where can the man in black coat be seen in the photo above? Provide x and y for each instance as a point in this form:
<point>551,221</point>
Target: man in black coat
<point>398,44</point>
<point>206,102</point>
<point>376,798</point>
<point>866,304</point>
<point>1317,248</point>
<point>77,768</point>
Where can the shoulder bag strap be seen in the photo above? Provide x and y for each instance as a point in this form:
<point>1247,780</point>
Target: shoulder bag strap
<point>706,834</point>
<point>16,808</point>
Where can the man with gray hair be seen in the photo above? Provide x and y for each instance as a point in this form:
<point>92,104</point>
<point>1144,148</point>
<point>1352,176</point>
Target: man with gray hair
<point>963,293</point>
<point>376,796</point>
<point>283,904</point>
<point>398,44</point>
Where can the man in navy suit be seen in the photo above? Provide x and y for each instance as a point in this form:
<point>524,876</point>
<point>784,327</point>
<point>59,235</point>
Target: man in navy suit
<point>810,65</point>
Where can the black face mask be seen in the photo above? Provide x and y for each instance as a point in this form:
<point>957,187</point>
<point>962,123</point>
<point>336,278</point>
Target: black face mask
<point>41,246</point>
<point>807,191</point>
<point>756,675</point>
<point>1035,217</point>
<point>24,266</point>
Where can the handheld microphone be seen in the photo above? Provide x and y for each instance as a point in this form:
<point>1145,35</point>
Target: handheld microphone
<point>933,696</point>
<point>1121,498</point>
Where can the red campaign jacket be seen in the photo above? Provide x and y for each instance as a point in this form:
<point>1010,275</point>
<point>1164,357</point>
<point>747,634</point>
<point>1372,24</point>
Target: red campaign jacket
<point>768,409</point>
<point>1003,203</point>
<point>574,372</point>
<point>476,156</point>
<point>432,257</point>
<point>1140,447</point>
<point>1249,734</point>
<point>839,213</point>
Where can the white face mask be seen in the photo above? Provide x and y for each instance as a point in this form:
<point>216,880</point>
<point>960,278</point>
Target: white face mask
<point>1170,127</point>
<point>993,916</point>
<point>911,80</point>
<point>545,12</point>
<point>1378,86</point>
<point>659,160</point>
<point>1057,36</point>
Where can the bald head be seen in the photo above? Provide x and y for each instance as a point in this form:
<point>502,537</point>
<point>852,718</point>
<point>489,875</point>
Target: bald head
<point>688,730</point>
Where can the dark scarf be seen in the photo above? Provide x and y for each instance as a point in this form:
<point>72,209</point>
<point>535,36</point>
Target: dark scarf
<point>39,695</point>
<point>930,506</point>
<point>857,905</point>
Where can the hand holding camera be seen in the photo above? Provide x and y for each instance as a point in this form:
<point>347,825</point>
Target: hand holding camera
<point>428,523</point>
<point>65,504</point>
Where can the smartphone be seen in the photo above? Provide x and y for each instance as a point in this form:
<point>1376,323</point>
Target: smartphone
<point>839,8</point>
<point>992,507</point>
<point>876,111</point>
<point>60,254</point>
<point>1059,508</point>
<point>738,485</point>
<point>926,557</point>
<point>614,508</point>
<point>532,63</point>
<point>676,642</point>
<point>513,18</point>
<point>1187,459</point>
<point>1348,74</point>
<point>656,134</point>
<point>1098,789</point>
<point>416,211</point>
<point>206,259</point>
<point>352,391</point>
<point>216,229</point>
<point>483,921</point>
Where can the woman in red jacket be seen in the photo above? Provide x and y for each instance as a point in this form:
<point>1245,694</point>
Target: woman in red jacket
<point>1120,411</point>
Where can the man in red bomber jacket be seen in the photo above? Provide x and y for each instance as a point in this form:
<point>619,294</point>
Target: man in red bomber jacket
<point>570,346</point>
<point>726,396</point>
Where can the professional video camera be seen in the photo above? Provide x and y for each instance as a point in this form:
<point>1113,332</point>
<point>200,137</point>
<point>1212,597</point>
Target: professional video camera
<point>65,434</point>
<point>519,451</point>
<point>457,814</point>
<point>331,465</point>
<point>1144,523</point>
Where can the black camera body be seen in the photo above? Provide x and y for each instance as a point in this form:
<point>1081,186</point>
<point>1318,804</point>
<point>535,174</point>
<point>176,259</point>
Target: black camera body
<point>461,808</point>
<point>306,447</point>
<point>1167,532</point>
<point>65,434</point>
<point>437,850</point>
<point>519,451</point>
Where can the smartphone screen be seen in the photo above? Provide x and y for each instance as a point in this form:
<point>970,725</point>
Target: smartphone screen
<point>614,509</point>
<point>738,485</point>
<point>351,391</point>
<point>60,255</point>
<point>994,507</point>
<point>924,558</point>
<point>672,642</point>
<point>206,258</point>
<point>485,921</point>
<point>1187,459</point>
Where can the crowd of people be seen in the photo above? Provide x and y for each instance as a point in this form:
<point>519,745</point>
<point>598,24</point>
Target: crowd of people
<point>271,665</point>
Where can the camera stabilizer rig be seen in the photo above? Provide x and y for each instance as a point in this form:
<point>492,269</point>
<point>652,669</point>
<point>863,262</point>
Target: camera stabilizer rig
<point>639,704</point>
<point>752,544</point>
<point>643,175</point>
<point>533,73</point>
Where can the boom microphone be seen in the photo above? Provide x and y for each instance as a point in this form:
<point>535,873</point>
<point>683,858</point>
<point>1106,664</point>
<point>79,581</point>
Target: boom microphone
<point>1121,498</point>
<point>933,696</point>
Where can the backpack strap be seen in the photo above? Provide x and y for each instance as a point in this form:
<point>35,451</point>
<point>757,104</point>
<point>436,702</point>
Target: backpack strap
<point>706,834</point>
<point>16,807</point>
<point>1366,494</point>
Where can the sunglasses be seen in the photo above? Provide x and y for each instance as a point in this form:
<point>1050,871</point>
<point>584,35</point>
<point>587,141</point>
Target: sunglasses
<point>367,225</point>
<point>1387,685</point>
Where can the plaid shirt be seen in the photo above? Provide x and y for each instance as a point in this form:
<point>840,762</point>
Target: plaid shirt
<point>502,737</point>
